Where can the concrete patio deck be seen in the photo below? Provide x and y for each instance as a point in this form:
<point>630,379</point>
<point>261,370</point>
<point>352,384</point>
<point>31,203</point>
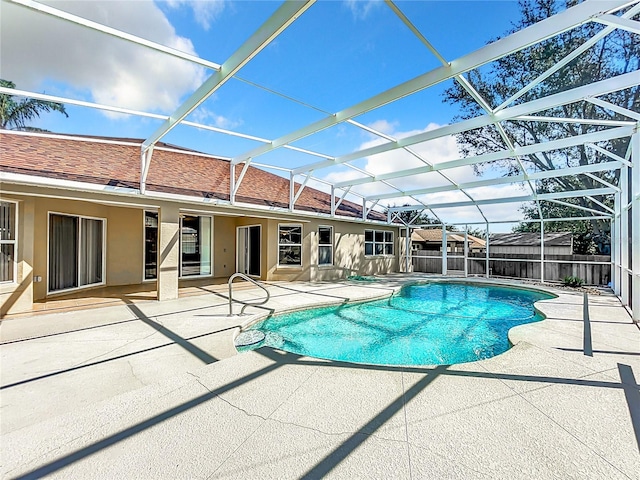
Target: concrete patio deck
<point>156,390</point>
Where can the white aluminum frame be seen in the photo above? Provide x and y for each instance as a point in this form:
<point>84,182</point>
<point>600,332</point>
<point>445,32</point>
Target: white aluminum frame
<point>13,242</point>
<point>605,13</point>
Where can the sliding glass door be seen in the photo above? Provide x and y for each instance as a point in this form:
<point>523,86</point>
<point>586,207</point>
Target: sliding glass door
<point>150,245</point>
<point>195,245</point>
<point>76,251</point>
<point>249,250</point>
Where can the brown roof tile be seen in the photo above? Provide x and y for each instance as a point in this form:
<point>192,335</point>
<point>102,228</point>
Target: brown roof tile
<point>170,172</point>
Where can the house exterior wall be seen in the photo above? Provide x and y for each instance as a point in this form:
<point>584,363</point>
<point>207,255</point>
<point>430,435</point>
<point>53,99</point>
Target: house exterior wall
<point>348,253</point>
<point>124,250</point>
<point>224,246</point>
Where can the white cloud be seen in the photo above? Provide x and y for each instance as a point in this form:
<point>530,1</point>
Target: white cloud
<point>361,8</point>
<point>384,126</point>
<point>110,70</point>
<point>208,117</point>
<point>434,151</point>
<point>205,12</point>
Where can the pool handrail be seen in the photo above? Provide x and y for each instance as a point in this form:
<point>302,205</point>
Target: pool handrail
<point>245,304</point>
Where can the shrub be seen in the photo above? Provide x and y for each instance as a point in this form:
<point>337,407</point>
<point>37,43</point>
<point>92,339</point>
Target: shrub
<point>572,281</point>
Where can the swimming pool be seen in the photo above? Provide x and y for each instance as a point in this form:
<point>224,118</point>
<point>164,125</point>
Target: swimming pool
<point>439,323</point>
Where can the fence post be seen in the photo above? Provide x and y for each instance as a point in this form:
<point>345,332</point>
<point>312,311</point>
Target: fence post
<point>486,250</point>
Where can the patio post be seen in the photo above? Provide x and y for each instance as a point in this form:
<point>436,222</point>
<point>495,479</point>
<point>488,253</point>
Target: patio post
<point>542,251</point>
<point>466,251</point>
<point>168,251</point>
<point>624,235</point>
<point>444,249</point>
<point>615,246</point>
<point>407,251</point>
<point>635,226</point>
<point>486,251</point>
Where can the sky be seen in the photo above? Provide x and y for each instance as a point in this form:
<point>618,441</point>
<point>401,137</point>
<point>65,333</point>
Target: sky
<point>337,54</point>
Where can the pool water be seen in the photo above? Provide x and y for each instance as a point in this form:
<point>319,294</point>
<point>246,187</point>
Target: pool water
<point>437,323</point>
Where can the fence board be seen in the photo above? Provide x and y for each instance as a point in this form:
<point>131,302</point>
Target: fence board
<point>556,267</point>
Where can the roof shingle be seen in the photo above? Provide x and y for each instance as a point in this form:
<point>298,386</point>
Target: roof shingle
<point>187,173</point>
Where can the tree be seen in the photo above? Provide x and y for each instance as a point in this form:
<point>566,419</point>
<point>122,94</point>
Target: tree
<point>415,217</point>
<point>16,114</point>
<point>615,54</point>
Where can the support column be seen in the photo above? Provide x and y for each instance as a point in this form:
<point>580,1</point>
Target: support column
<point>466,251</point>
<point>635,225</point>
<point>486,251</point>
<point>408,251</point>
<point>444,249</point>
<point>168,251</point>
<point>624,235</point>
<point>615,246</point>
<point>541,251</point>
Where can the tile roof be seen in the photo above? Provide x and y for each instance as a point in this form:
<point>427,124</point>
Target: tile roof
<point>434,235</point>
<point>114,164</point>
<point>522,239</point>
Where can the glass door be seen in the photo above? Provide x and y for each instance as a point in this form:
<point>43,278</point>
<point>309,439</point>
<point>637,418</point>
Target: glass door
<point>195,245</point>
<point>248,251</point>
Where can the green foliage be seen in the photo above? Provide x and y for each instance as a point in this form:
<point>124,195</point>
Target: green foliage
<point>615,54</point>
<point>572,281</point>
<point>416,217</point>
<point>16,114</point>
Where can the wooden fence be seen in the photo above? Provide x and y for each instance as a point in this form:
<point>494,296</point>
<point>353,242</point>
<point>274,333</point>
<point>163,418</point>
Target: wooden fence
<point>556,267</point>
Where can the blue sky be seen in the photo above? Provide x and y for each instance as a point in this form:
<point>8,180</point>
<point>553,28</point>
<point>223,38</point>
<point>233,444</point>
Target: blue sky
<point>335,55</point>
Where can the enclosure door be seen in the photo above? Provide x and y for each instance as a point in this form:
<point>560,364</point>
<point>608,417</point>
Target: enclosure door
<point>248,251</point>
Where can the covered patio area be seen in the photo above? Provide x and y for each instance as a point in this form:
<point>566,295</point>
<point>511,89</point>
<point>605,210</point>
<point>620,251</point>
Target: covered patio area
<point>141,388</point>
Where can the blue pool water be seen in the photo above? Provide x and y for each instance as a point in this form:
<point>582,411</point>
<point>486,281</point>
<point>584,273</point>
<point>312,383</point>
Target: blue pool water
<point>424,324</point>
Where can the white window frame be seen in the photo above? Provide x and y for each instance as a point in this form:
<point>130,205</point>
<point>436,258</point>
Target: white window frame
<point>291,244</point>
<point>384,243</point>
<point>330,264</point>
<point>104,252</point>
<point>13,242</point>
<point>189,277</point>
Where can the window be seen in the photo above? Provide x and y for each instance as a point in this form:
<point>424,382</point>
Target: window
<point>290,245</point>
<point>76,251</point>
<point>150,245</point>
<point>378,242</point>
<point>7,241</point>
<point>195,245</point>
<point>325,245</point>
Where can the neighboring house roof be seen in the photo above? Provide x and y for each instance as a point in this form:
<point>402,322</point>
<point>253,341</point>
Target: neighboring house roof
<point>111,162</point>
<point>531,239</point>
<point>434,235</point>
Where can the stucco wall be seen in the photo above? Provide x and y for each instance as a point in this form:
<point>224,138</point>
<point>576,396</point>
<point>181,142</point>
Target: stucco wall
<point>224,246</point>
<point>349,257</point>
<point>125,247</point>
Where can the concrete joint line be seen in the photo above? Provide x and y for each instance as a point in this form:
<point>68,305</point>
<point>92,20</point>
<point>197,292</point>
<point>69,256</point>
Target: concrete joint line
<point>566,430</point>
